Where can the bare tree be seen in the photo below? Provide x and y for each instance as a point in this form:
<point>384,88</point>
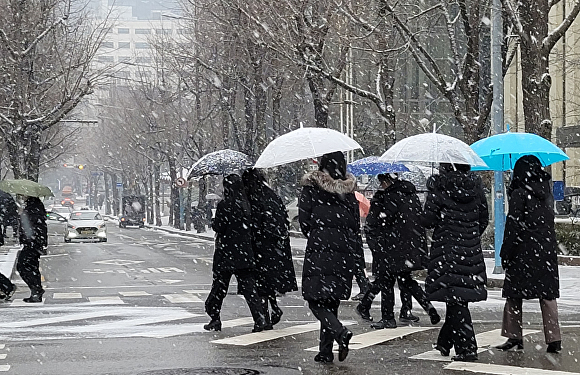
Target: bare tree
<point>531,23</point>
<point>46,49</point>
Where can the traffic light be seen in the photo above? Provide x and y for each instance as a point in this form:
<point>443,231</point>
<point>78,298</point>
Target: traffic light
<point>80,166</point>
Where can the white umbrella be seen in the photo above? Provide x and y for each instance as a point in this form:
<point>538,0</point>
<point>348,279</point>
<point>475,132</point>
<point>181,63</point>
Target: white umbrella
<point>304,143</point>
<point>432,148</point>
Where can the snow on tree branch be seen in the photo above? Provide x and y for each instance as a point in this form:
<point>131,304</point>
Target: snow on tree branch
<point>550,41</point>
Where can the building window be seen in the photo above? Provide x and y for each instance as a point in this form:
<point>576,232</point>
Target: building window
<point>108,45</point>
<point>142,31</point>
<point>163,31</point>
<point>106,59</point>
<point>143,59</point>
<point>183,31</point>
<point>124,45</point>
<point>122,30</point>
<point>124,58</point>
<point>141,45</point>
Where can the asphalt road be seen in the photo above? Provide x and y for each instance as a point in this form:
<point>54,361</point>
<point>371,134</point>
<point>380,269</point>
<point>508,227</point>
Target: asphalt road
<point>134,305</point>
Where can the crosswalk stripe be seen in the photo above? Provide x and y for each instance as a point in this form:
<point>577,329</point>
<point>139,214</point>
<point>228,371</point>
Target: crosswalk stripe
<point>197,291</point>
<point>66,295</point>
<point>2,346</point>
<point>376,337</point>
<point>254,338</point>
<point>110,300</point>
<point>181,298</point>
<point>20,303</point>
<point>488,368</point>
<point>4,368</point>
<point>57,319</point>
<point>485,341</point>
<point>136,293</point>
<point>3,355</point>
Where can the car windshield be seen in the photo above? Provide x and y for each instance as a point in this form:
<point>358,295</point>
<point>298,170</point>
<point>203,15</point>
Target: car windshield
<point>85,215</point>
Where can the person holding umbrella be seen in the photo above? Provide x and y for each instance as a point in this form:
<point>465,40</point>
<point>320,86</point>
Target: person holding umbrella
<point>456,208</point>
<point>329,218</point>
<point>397,240</point>
<point>529,254</point>
<point>270,243</point>
<point>34,237</point>
<point>233,255</point>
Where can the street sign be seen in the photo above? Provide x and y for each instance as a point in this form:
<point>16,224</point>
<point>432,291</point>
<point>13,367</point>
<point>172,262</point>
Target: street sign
<point>96,173</point>
<point>119,184</point>
<point>181,182</point>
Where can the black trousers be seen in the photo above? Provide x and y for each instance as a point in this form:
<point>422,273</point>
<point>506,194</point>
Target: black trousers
<point>27,266</point>
<point>385,284</point>
<point>6,285</point>
<point>330,327</point>
<point>457,331</point>
<point>219,290</point>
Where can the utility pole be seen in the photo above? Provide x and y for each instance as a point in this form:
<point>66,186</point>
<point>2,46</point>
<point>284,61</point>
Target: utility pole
<point>498,126</point>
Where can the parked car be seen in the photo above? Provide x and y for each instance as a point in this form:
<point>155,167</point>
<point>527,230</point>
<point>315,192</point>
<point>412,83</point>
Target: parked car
<point>86,225</point>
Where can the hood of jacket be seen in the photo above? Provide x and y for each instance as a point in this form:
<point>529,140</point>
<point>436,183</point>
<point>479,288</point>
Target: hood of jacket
<point>325,182</point>
<point>403,186</point>
<point>461,187</point>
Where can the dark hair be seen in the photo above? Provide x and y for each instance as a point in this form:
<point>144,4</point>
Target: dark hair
<point>450,167</point>
<point>527,169</point>
<point>253,181</point>
<point>234,191</point>
<point>387,177</point>
<point>334,164</point>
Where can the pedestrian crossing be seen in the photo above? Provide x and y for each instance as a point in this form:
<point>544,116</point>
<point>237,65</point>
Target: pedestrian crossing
<point>3,355</point>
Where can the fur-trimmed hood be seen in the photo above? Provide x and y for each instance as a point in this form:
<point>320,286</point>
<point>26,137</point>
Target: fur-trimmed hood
<point>327,183</point>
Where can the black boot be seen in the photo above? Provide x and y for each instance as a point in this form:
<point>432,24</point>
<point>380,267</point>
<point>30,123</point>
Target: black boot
<point>434,316</point>
<point>343,341</point>
<point>214,325</point>
<point>259,324</point>
<point>554,347</point>
<point>465,357</point>
<point>385,323</point>
<point>444,351</point>
<point>518,344</point>
<point>364,313</point>
<point>276,312</point>
<point>324,358</point>
<point>408,317</point>
<point>35,296</point>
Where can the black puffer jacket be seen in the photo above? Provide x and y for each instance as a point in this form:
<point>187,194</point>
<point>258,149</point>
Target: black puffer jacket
<point>529,250</point>
<point>393,230</point>
<point>274,265</point>
<point>233,243</point>
<point>34,232</point>
<point>457,210</point>
<point>329,218</point>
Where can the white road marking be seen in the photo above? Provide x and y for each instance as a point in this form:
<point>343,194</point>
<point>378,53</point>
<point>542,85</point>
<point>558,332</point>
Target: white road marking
<point>170,281</point>
<point>485,341</point>
<point>136,293</point>
<point>197,291</point>
<point>119,262</point>
<point>2,346</point>
<point>170,269</point>
<point>154,270</point>
<point>3,355</point>
<point>487,368</point>
<point>4,368</point>
<point>181,298</point>
<point>376,337</point>
<point>107,300</point>
<point>254,338</point>
<point>20,303</point>
<point>66,295</point>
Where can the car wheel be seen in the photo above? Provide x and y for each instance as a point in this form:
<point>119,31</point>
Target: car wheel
<point>67,240</point>
<point>103,240</point>
<point>142,226</point>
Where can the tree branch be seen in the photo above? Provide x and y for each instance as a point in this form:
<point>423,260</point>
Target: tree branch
<point>550,41</point>
<point>519,28</point>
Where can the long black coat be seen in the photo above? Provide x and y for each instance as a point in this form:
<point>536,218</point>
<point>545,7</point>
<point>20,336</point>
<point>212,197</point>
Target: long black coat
<point>33,231</point>
<point>457,210</point>
<point>393,230</point>
<point>8,209</point>
<point>329,217</point>
<point>529,250</point>
<point>233,243</point>
<point>274,266</point>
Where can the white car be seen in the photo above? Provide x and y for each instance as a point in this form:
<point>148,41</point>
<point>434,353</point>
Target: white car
<point>86,225</point>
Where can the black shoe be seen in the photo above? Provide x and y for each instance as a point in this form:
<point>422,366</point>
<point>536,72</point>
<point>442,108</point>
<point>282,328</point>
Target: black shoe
<point>434,316</point>
<point>213,325</point>
<point>408,317</point>
<point>358,297</point>
<point>324,358</point>
<point>444,351</point>
<point>554,347</point>
<point>363,313</point>
<point>465,357</point>
<point>276,315</point>
<point>9,295</point>
<point>381,324</point>
<point>343,341</point>
<point>268,327</point>
<point>518,344</point>
<point>34,298</point>
<point>259,325</point>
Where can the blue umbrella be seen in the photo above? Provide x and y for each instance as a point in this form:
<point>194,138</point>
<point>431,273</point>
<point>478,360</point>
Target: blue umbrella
<point>501,151</point>
<point>222,162</point>
<point>372,166</point>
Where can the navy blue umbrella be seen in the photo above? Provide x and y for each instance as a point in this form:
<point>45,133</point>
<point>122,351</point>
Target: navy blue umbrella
<point>372,166</point>
<point>222,162</point>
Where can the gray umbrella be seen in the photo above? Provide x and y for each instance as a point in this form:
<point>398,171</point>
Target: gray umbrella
<point>222,162</point>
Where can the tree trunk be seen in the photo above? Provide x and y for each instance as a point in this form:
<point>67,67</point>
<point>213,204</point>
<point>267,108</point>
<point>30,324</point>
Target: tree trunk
<point>175,202</point>
<point>115,194</point>
<point>276,107</point>
<point>157,192</point>
<point>316,85</point>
